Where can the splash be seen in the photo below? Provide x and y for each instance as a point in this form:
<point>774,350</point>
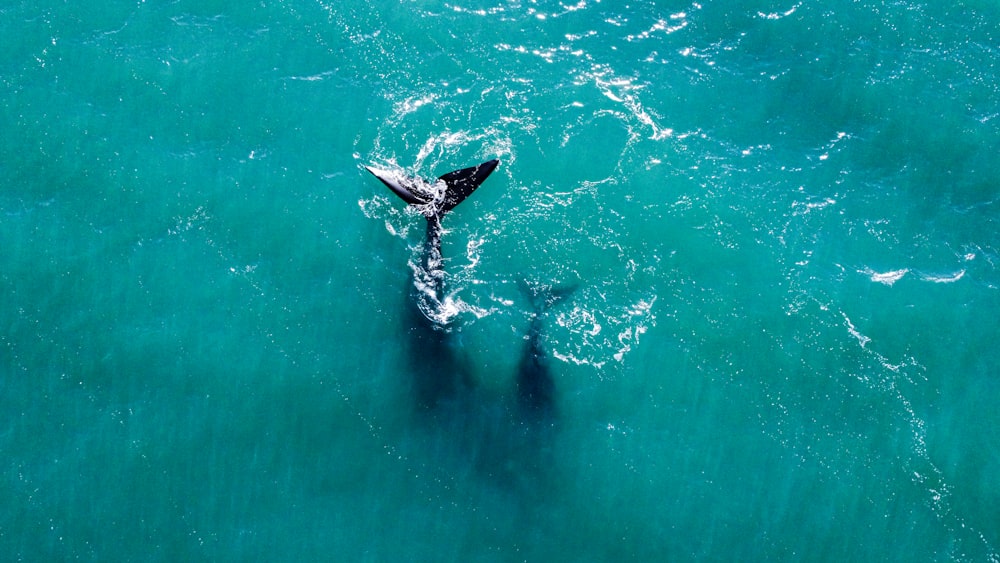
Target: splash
<point>779,15</point>
<point>943,278</point>
<point>886,278</point>
<point>862,339</point>
<point>590,343</point>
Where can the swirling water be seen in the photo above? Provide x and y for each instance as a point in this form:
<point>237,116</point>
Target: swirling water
<point>781,219</point>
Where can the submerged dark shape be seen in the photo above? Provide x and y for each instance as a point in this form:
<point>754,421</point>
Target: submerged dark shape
<point>535,386</point>
<point>440,374</point>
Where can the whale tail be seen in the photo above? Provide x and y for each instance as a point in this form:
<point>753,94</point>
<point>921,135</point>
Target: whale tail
<point>535,386</point>
<point>543,296</point>
<point>458,185</point>
<point>461,183</point>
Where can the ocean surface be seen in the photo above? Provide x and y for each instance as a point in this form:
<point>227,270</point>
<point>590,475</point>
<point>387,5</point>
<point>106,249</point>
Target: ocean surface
<point>780,220</point>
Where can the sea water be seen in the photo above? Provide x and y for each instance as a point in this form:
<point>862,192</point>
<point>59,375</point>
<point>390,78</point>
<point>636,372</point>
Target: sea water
<point>780,219</point>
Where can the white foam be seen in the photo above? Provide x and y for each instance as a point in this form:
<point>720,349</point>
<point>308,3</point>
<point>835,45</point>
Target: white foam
<point>950,278</point>
<point>886,278</point>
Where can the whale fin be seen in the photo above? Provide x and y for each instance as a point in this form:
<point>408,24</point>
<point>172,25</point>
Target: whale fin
<point>461,183</point>
<point>543,296</point>
<point>397,183</point>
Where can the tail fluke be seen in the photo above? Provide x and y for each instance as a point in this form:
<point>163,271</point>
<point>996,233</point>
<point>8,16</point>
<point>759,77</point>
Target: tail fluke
<point>544,296</point>
<point>441,196</point>
<point>400,184</point>
<point>461,183</point>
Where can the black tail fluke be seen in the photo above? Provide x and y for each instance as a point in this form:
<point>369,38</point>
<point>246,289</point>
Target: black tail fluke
<point>461,183</point>
<point>457,186</point>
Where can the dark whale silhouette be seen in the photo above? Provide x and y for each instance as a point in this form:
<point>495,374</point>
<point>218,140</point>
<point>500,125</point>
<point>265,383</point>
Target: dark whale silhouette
<point>439,374</point>
<point>535,386</point>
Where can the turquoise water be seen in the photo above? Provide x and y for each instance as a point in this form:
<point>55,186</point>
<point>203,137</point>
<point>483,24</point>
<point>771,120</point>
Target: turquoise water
<point>781,220</point>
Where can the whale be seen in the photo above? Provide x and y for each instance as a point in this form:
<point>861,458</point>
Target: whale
<point>439,372</point>
<point>433,200</point>
<point>534,386</point>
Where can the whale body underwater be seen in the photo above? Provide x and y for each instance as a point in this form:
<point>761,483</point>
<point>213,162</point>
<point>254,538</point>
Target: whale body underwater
<point>441,375</point>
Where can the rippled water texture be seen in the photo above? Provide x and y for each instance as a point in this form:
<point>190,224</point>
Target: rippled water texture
<point>773,229</point>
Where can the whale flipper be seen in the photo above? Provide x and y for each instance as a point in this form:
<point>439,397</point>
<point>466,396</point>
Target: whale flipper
<point>461,183</point>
